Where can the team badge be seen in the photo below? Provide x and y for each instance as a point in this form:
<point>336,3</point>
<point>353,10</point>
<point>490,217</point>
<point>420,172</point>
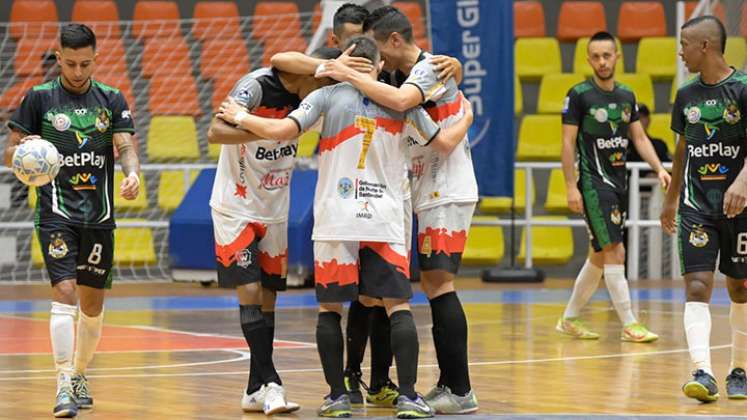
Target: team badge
<point>698,237</point>
<point>732,115</point>
<point>244,258</point>
<point>57,246</point>
<point>61,122</point>
<point>102,121</point>
<point>693,114</point>
<point>601,115</point>
<point>345,187</point>
<point>626,113</point>
<point>426,248</point>
<point>616,216</point>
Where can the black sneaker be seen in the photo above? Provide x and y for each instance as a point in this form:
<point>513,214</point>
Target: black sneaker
<point>702,387</point>
<point>80,390</point>
<point>353,383</point>
<point>736,385</point>
<point>65,405</point>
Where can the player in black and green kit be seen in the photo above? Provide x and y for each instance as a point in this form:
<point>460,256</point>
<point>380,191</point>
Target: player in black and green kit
<point>600,116</point>
<point>710,183</point>
<point>85,120</point>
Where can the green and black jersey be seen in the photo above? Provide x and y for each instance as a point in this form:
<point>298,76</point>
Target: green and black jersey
<point>709,118</point>
<point>81,127</point>
<point>603,118</point>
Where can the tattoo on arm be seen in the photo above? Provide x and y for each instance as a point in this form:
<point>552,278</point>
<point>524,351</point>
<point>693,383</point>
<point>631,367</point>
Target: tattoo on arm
<point>127,155</point>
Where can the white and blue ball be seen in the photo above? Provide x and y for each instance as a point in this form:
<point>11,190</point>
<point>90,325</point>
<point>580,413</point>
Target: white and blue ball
<point>36,162</point>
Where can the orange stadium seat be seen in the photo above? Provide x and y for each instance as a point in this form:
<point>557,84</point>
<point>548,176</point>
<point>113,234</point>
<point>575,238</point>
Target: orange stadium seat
<point>111,58</point>
<point>28,56</point>
<point>743,21</point>
<point>168,56</point>
<point>150,18</point>
<point>280,44</point>
<point>278,19</point>
<point>11,98</point>
<point>33,18</point>
<point>221,88</point>
<point>120,81</point>
<point>719,12</point>
<point>220,56</point>
<point>216,19</point>
<point>101,15</point>
<point>641,19</point>
<point>414,13</point>
<point>579,19</point>
<point>529,19</point>
<point>173,95</point>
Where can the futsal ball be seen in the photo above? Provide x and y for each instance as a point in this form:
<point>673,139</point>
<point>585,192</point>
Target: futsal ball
<point>36,162</point>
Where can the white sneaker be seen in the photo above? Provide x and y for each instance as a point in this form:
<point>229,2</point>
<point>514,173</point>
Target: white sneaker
<point>275,399</point>
<point>254,402</point>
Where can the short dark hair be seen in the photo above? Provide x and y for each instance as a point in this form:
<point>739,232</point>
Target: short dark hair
<point>348,13</point>
<point>364,47</point>
<point>326,53</point>
<point>386,20</point>
<point>643,110</point>
<point>719,25</point>
<point>77,36</point>
<point>603,36</point>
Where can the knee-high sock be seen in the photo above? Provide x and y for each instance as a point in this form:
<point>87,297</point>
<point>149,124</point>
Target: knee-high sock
<point>356,335</point>
<point>381,347</point>
<point>89,335</point>
<point>738,320</point>
<point>62,334</point>
<point>586,284</point>
<point>405,348</point>
<point>255,382</point>
<point>617,286</point>
<point>330,345</point>
<point>255,332</point>
<point>698,331</point>
<point>450,338</point>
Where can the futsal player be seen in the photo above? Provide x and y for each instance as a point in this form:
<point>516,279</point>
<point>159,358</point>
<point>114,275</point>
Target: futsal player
<point>85,120</point>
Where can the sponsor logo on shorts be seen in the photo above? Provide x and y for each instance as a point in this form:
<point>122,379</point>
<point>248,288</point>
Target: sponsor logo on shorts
<point>244,258</point>
<point>713,172</point>
<point>364,210</point>
<point>57,246</point>
<point>698,236</point>
<point>91,269</point>
<point>345,187</point>
<point>615,216</point>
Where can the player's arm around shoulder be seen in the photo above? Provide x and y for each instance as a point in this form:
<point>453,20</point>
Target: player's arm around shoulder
<point>268,128</point>
<point>130,163</point>
<point>450,137</point>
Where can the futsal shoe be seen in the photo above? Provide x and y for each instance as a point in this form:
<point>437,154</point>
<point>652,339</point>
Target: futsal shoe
<point>337,408</point>
<point>255,402</point>
<point>353,384</point>
<point>443,401</point>
<point>636,332</point>
<point>701,387</point>
<point>80,391</point>
<point>736,385</point>
<point>575,328</point>
<point>65,405</point>
<point>275,402</point>
<point>413,409</point>
<point>386,396</point>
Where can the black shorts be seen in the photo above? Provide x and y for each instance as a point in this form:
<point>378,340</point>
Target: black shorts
<point>605,212</point>
<point>75,252</point>
<point>701,238</point>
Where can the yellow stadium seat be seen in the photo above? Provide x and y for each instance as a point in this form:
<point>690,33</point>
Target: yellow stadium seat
<point>494,205</point>
<point>133,245</point>
<point>539,138</point>
<point>518,97</point>
<point>139,203</point>
<point>736,51</point>
<point>553,90</point>
<point>676,87</point>
<point>657,56</point>
<point>213,151</point>
<point>641,85</point>
<point>172,137</point>
<point>484,243</point>
<point>307,143</point>
<point>557,200</point>
<point>661,128</point>
<point>536,57</point>
<point>551,245</point>
<point>581,66</point>
<point>171,188</point>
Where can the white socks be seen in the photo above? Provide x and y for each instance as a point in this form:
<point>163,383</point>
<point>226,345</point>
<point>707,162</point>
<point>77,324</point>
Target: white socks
<point>617,286</point>
<point>738,321</point>
<point>698,331</point>
<point>62,333</point>
<point>89,334</point>
<point>584,287</point>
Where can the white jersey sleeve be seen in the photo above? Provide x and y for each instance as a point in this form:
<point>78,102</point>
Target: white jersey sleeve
<point>420,127</point>
<point>247,92</point>
<point>425,78</point>
<point>311,109</point>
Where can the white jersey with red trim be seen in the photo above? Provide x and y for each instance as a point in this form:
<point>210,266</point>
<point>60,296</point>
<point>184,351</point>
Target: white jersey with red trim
<point>437,178</point>
<point>362,163</point>
<point>253,179</point>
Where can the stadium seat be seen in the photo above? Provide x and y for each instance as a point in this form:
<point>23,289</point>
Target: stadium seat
<point>661,128</point>
<point>557,199</point>
<point>518,96</point>
<point>580,18</point>
<point>155,19</point>
<point>553,89</point>
<point>122,82</point>
<point>551,245</point>
<point>581,65</point>
<point>276,19</point>
<point>641,85</point>
<point>529,19</point>
<point>172,138</point>
<point>216,19</point>
<point>719,12</point>
<point>175,95</point>
<point>213,151</point>
<point>111,58</point>
<point>275,45</point>
<point>224,57</point>
<point>736,51</point>
<point>139,203</point>
<point>101,15</point>
<point>307,143</point>
<point>166,57</point>
<point>414,13</point>
<point>536,57</point>
<point>484,243</point>
<point>11,97</point>
<point>641,19</point>
<point>539,138</point>
<point>221,88</point>
<point>657,57</point>
<point>29,53</point>
<point>171,188</point>
<point>33,19</point>
<point>134,245</point>
<point>494,205</point>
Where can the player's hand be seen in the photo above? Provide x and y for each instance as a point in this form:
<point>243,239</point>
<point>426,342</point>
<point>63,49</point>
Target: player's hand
<point>445,66</point>
<point>334,69</point>
<point>664,179</point>
<point>229,111</point>
<point>28,138</point>
<point>575,202</point>
<point>735,198</point>
<point>668,216</point>
<point>130,187</point>
<point>467,106</point>
<point>359,64</point>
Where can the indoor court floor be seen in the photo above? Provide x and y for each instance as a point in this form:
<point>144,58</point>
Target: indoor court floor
<point>175,351</point>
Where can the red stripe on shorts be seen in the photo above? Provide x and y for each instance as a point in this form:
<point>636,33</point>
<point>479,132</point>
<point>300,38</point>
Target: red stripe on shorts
<point>330,272</point>
<point>226,254</point>
<point>441,241</point>
<point>400,262</point>
<point>277,265</point>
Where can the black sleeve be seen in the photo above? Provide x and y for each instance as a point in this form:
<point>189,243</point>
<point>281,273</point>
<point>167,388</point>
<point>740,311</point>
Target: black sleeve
<point>572,108</point>
<point>121,116</point>
<point>27,118</point>
<point>634,115</point>
<point>661,149</point>
<point>678,115</point>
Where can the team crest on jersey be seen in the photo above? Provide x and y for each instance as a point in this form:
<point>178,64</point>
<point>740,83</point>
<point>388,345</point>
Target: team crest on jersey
<point>626,113</point>
<point>102,121</point>
<point>244,258</point>
<point>57,246</point>
<point>364,210</point>
<point>732,115</point>
<point>616,216</point>
<point>61,122</point>
<point>601,115</point>
<point>693,114</point>
<point>345,187</point>
<point>698,237</point>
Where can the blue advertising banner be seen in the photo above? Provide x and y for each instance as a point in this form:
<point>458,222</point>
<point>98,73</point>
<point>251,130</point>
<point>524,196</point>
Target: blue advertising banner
<point>480,34</point>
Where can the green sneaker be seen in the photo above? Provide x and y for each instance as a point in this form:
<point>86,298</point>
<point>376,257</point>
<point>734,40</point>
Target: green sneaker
<point>701,387</point>
<point>575,328</point>
<point>353,383</point>
<point>409,409</point>
<point>443,401</point>
<point>386,396</point>
<point>337,408</point>
<point>637,333</point>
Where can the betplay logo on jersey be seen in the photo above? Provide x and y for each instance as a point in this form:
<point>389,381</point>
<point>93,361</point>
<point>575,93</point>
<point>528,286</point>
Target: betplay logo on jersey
<point>612,143</point>
<point>83,159</point>
<point>713,150</point>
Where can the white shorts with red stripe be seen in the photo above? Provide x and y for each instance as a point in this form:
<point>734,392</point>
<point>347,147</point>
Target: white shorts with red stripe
<point>442,234</point>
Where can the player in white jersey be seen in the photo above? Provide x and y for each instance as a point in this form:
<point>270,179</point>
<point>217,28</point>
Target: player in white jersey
<point>250,209</point>
<point>444,194</point>
<point>358,228</point>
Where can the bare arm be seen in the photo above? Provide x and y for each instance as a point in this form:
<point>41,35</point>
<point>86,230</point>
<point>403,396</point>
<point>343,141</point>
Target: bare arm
<point>568,159</point>
<point>669,208</point>
<point>221,132</point>
<point>267,128</point>
<point>130,165</point>
<point>447,67</point>
<point>449,138</point>
<point>646,150</point>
